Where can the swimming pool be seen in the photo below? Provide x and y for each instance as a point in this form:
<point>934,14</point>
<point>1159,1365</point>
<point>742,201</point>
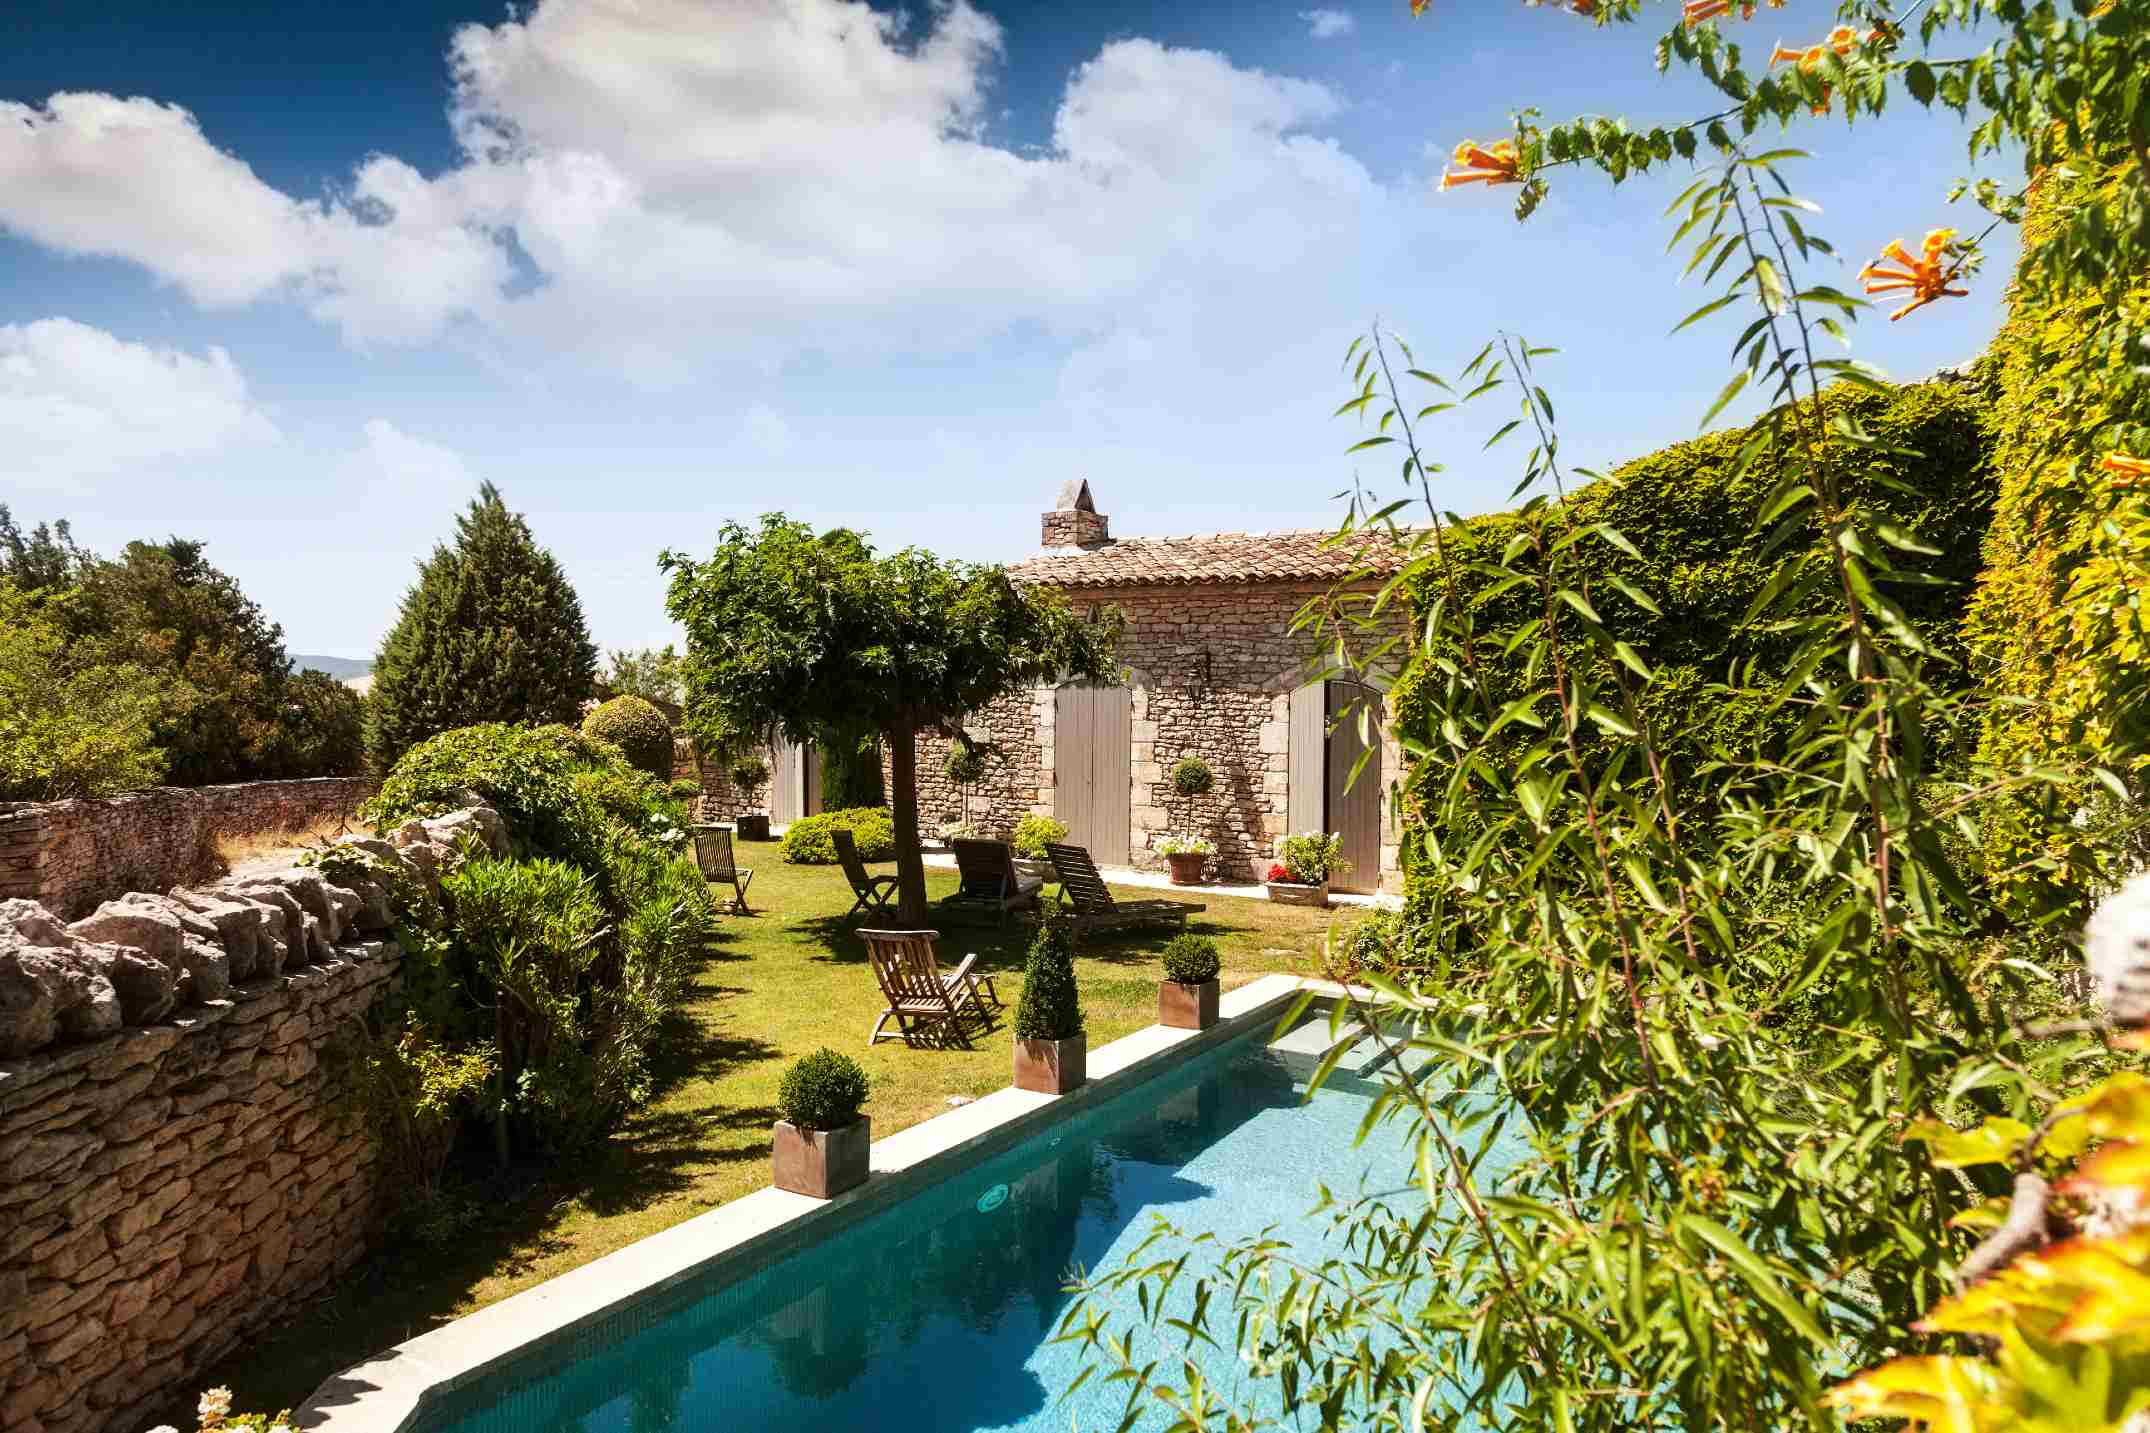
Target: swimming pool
<point>937,1312</point>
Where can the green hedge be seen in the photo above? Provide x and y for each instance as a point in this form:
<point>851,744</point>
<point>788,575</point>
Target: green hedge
<point>2057,625</point>
<point>807,841</point>
<point>1689,511</point>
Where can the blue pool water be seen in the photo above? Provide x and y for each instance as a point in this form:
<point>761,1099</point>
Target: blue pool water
<point>937,1313</point>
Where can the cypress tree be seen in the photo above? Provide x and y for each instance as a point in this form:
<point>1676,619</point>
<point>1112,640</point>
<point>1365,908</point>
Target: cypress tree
<point>491,631</point>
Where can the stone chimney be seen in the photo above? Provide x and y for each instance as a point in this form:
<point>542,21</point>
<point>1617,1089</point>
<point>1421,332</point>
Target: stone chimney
<point>1075,520</point>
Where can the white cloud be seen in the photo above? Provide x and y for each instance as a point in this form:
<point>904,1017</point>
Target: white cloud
<point>394,456</point>
<point>78,404</point>
<point>1329,24</point>
<point>745,179</point>
<point>392,260</point>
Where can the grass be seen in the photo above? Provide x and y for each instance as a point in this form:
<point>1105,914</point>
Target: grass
<point>782,982</point>
<point>235,848</point>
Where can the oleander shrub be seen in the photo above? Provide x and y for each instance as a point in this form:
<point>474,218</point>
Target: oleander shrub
<point>556,967</point>
<point>822,1091</point>
<point>638,729</point>
<point>1035,832</point>
<point>807,842</point>
<point>1311,858</point>
<point>1050,1008</point>
<point>1191,959</point>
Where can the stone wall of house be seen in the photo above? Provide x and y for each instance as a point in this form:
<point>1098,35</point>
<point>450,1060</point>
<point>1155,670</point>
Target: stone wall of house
<point>720,800</point>
<point>69,855</point>
<point>1212,668</point>
<point>177,1164</point>
<point>1017,725</point>
<point>167,1190</point>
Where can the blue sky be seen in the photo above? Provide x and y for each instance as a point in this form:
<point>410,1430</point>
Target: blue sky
<point>294,277</point>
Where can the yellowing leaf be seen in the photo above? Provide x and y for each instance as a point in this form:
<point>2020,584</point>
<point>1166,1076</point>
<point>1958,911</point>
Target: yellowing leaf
<point>1981,1216</point>
<point>1943,1392</point>
<point>1993,1141</point>
<point>2123,1164</point>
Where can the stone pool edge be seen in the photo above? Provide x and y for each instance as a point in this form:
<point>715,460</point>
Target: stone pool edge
<point>388,1392</point>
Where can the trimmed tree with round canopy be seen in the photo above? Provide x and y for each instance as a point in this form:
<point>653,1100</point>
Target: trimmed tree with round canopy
<point>817,637</point>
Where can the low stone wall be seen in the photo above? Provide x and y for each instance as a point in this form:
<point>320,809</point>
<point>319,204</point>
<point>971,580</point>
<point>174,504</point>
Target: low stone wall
<point>177,1164</point>
<point>166,1191</point>
<point>69,855</point>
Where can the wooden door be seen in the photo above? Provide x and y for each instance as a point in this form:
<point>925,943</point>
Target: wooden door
<point>1354,804</point>
<point>1093,755</point>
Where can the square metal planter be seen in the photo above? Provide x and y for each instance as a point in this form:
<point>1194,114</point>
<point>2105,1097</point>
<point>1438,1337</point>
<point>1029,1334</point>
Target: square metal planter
<point>1186,1007</point>
<point>1051,1067</point>
<point>822,1163</point>
<point>1285,893</point>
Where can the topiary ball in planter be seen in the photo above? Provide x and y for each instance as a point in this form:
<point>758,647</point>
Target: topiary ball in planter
<point>1050,1050</point>
<point>965,765</point>
<point>1187,997</point>
<point>823,1145</point>
<point>638,729</point>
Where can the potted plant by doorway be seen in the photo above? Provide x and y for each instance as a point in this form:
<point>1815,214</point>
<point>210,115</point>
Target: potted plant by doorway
<point>822,1143</point>
<point>1050,1050</point>
<point>1188,856</point>
<point>1033,834</point>
<point>1305,864</point>
<point>1187,996</point>
<point>749,773</point>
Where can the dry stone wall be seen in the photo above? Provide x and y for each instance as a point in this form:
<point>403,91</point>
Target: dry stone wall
<point>178,1165</point>
<point>69,855</point>
<point>1015,725</point>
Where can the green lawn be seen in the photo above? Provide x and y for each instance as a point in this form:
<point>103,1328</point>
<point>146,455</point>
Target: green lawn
<point>782,981</point>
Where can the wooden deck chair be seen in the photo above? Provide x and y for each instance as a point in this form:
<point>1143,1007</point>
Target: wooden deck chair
<point>713,853</point>
<point>1091,906</point>
<point>926,1005</point>
<point>870,894</point>
<point>991,884</point>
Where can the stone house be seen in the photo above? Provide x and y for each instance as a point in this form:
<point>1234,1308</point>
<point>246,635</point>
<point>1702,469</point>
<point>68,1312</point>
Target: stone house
<point>1213,669</point>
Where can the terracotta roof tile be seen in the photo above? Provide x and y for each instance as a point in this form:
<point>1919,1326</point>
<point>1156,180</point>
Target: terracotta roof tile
<point>1314,554</point>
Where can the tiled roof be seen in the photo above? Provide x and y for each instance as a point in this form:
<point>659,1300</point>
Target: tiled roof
<point>1315,554</point>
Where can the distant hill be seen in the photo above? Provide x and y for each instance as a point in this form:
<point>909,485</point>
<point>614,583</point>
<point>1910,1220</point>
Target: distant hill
<point>341,668</point>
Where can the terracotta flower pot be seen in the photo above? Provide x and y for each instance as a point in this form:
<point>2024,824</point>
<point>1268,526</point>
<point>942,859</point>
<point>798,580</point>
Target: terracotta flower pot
<point>822,1163</point>
<point>753,827</point>
<point>1285,893</point>
<point>1051,1067</point>
<point>1187,867</point>
<point>1186,1007</point>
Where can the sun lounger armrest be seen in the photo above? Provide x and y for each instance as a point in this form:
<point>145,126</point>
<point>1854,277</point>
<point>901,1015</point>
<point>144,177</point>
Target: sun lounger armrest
<point>963,969</point>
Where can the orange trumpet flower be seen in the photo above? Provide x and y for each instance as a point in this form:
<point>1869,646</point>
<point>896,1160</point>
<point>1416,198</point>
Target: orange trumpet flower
<point>1923,277</point>
<point>1483,165</point>
<point>1694,12</point>
<point>2126,468</point>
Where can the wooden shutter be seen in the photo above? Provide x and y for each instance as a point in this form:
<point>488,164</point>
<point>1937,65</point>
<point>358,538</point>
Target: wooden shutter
<point>1307,765</point>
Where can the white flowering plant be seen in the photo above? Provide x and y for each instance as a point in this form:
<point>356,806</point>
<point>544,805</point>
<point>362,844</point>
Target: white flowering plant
<point>1313,858</point>
<point>1175,844</point>
<point>957,830</point>
<point>212,1414</point>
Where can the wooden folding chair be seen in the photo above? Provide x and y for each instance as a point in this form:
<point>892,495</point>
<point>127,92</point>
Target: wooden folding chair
<point>927,1006</point>
<point>713,853</point>
<point>870,894</point>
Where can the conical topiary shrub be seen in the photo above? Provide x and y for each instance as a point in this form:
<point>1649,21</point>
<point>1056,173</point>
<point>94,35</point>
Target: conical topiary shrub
<point>1050,1052</point>
<point>491,631</point>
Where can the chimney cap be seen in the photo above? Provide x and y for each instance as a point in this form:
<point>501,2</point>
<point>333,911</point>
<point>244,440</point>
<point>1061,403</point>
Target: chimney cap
<point>1075,496</point>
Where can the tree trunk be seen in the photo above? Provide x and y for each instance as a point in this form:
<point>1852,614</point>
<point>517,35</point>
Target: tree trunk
<point>903,807</point>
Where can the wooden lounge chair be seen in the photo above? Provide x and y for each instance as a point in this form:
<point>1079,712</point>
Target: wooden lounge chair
<point>870,894</point>
<point>1091,906</point>
<point>925,1004</point>
<point>713,853</point>
<point>991,884</point>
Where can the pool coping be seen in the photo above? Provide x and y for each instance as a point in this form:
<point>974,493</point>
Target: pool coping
<point>388,1392</point>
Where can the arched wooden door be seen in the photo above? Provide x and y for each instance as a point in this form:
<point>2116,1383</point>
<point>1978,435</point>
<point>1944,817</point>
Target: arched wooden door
<point>1093,771</point>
